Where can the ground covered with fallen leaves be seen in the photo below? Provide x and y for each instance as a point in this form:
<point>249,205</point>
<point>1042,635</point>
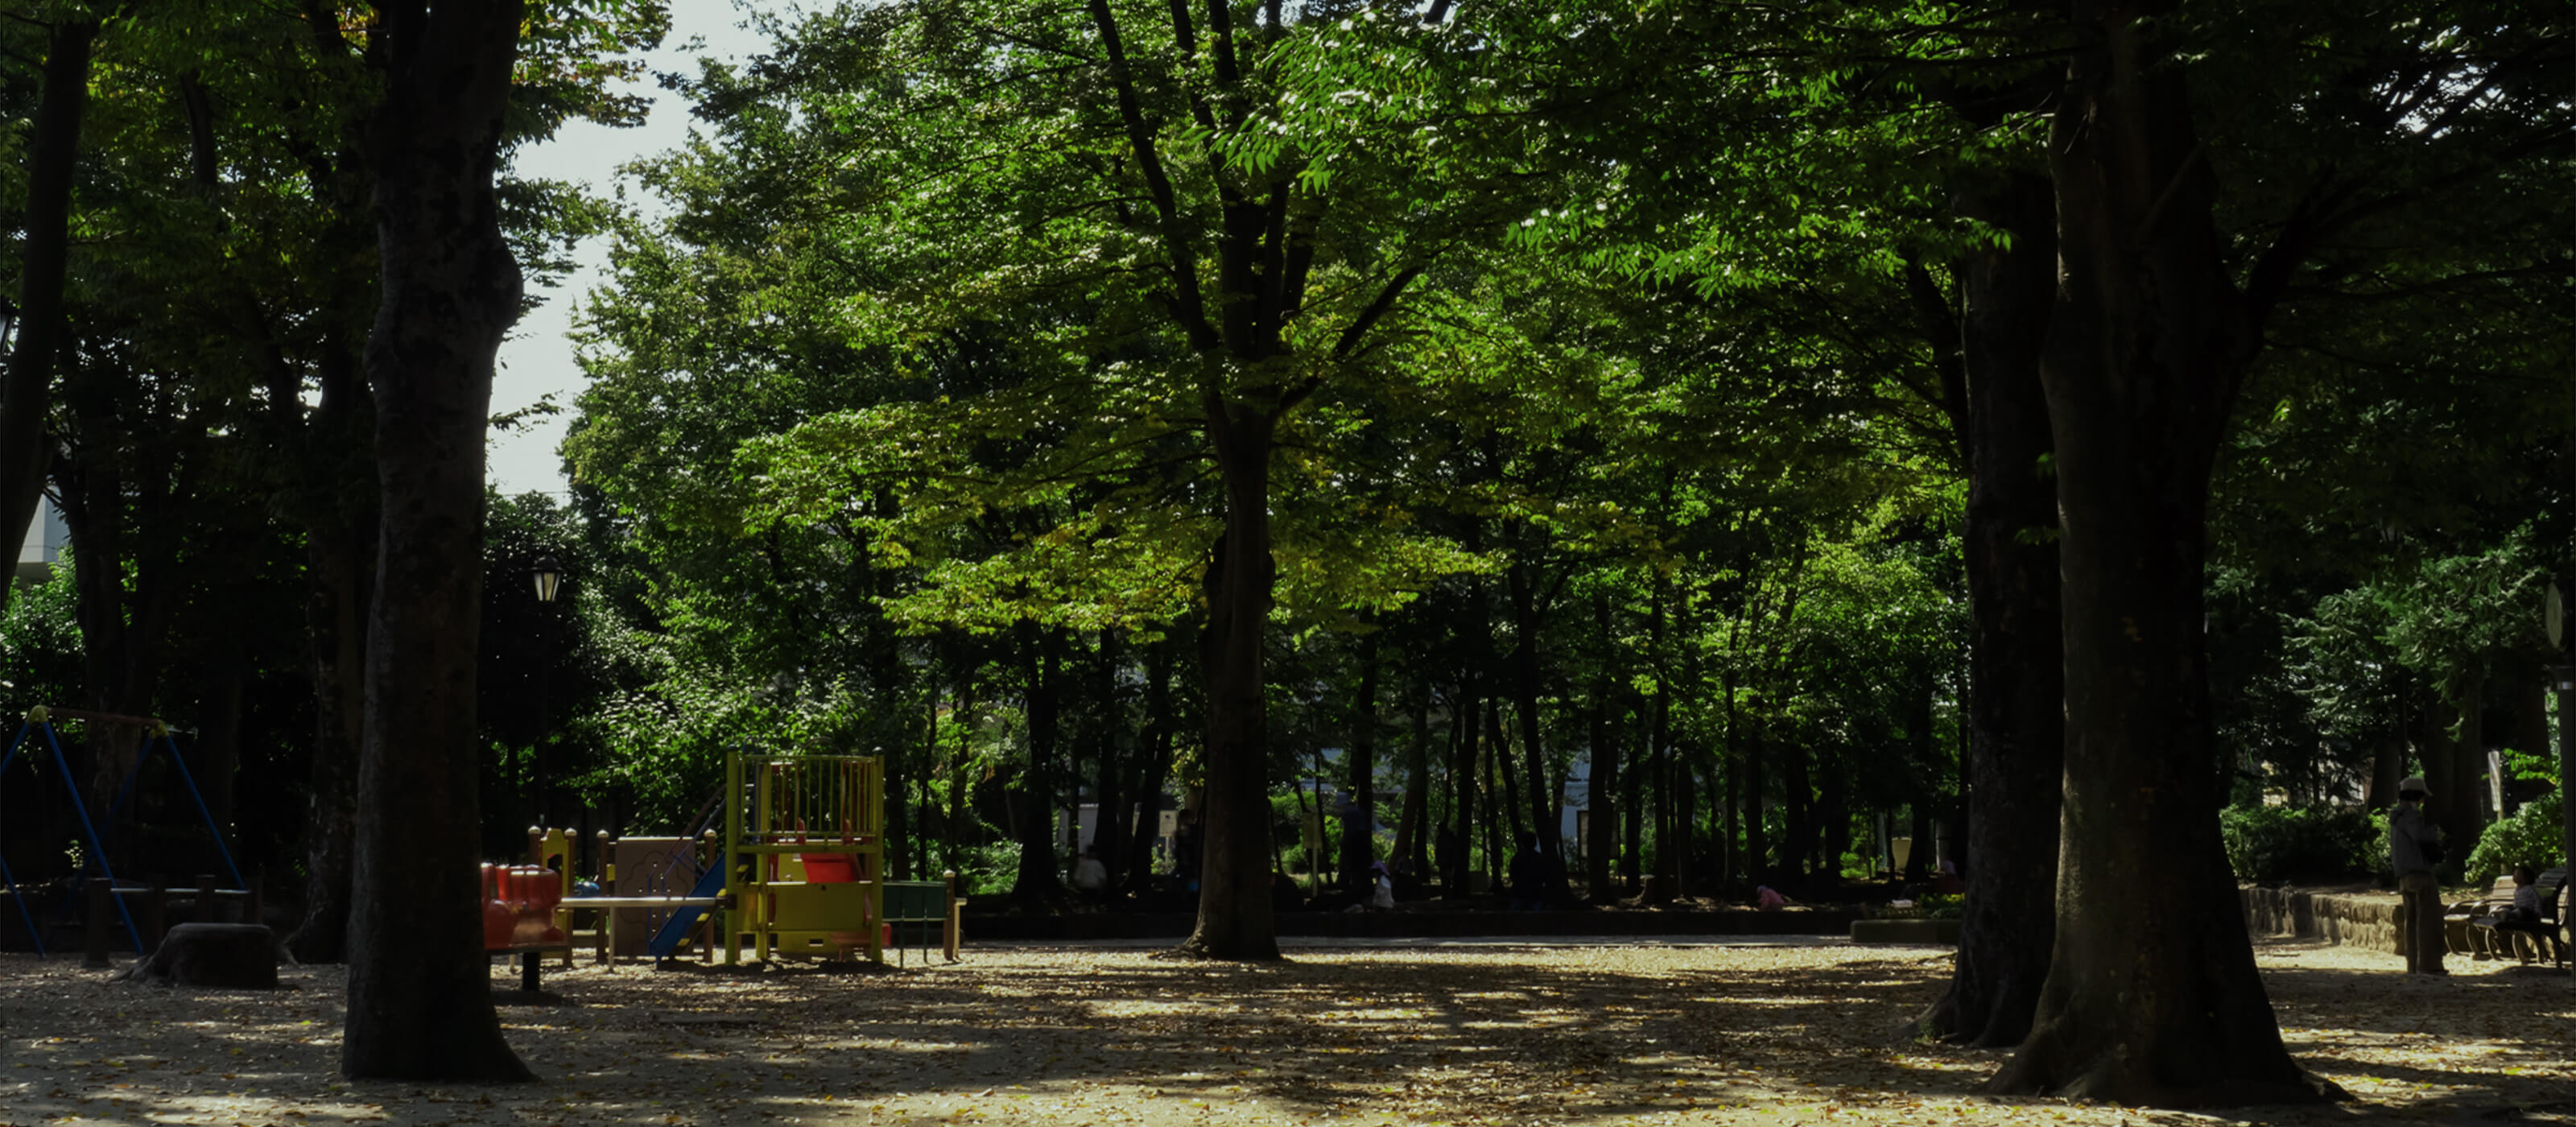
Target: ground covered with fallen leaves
<point>1454,1033</point>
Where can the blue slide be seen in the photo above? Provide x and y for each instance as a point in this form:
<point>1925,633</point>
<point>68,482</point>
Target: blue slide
<point>675,929</point>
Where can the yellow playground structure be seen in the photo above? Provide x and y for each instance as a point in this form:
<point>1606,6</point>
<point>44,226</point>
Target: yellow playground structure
<point>808,847</point>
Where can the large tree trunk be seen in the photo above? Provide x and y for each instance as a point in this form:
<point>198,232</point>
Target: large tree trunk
<point>1234,920</point>
<point>1757,834</point>
<point>1038,882</point>
<point>1412,821</point>
<point>1158,757</point>
<point>1601,836</point>
<point>1111,819</point>
<point>2455,769</point>
<point>2387,769</point>
<point>219,733</point>
<point>2152,996</point>
<point>335,496</point>
<point>1730,838</point>
<point>1833,817</point>
<point>1359,835</point>
<point>53,144</point>
<point>1458,836</point>
<point>328,487</point>
<point>338,564</point>
<point>1507,788</point>
<point>1798,844</point>
<point>121,500</point>
<point>420,1006</point>
<point>2016,677</point>
<point>1545,817</point>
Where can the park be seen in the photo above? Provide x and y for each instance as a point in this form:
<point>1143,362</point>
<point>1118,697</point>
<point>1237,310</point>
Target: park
<point>1516,561</point>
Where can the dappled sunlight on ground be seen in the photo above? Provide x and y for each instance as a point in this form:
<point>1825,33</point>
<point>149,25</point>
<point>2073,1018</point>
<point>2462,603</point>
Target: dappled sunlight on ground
<point>1667,1033</point>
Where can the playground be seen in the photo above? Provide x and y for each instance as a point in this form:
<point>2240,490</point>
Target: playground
<point>797,871</point>
<point>1459,1032</point>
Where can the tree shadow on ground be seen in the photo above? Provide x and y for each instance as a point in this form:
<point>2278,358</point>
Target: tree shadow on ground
<point>1532,1040</point>
<point>1535,1036</point>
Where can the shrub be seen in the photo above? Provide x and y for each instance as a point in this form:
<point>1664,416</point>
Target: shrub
<point>2274,844</point>
<point>2530,836</point>
<point>991,869</point>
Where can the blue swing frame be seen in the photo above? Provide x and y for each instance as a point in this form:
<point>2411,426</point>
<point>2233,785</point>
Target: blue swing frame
<point>160,734</point>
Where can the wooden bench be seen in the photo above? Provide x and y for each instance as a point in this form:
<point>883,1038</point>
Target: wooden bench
<point>2488,925</point>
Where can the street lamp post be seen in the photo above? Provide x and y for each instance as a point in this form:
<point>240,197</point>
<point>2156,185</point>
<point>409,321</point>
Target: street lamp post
<point>547,574</point>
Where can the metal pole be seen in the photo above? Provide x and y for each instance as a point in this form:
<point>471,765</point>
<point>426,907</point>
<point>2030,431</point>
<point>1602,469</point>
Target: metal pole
<point>728,916</point>
<point>545,688</point>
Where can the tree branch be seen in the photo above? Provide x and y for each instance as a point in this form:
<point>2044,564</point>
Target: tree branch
<point>1376,310</point>
<point>1187,305</point>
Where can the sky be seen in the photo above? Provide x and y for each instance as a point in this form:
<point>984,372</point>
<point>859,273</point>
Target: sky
<point>538,357</point>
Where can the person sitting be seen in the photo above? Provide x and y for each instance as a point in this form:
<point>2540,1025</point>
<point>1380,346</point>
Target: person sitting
<point>1381,887</point>
<point>2526,895</point>
<point>1090,878</point>
<point>2524,914</point>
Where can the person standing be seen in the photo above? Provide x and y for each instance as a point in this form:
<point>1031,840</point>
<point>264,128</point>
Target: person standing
<point>1525,872</point>
<point>2414,848</point>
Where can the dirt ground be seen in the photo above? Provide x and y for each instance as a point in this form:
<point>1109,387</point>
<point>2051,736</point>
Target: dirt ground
<point>1669,1032</point>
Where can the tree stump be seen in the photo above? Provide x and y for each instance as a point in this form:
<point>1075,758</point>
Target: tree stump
<point>233,956</point>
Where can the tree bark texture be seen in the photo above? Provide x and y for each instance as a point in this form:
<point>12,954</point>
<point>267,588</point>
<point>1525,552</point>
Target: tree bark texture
<point>420,1005</point>
<point>1522,580</point>
<point>1359,833</point>
<point>1158,757</point>
<point>336,602</point>
<point>2016,677</point>
<point>1234,919</point>
<point>1411,857</point>
<point>1111,823</point>
<point>1730,839</point>
<point>336,501</point>
<point>328,487</point>
<point>1459,833</point>
<point>127,505</point>
<point>2455,770</point>
<point>1037,881</point>
<point>53,145</point>
<point>1601,830</point>
<point>2152,996</point>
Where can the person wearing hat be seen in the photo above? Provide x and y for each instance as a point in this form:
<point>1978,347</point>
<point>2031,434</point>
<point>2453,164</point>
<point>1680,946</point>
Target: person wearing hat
<point>2414,847</point>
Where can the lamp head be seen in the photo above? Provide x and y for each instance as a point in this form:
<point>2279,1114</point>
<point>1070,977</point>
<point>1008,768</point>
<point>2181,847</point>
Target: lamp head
<point>547,572</point>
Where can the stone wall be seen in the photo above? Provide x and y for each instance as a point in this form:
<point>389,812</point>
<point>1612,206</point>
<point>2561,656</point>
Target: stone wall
<point>2343,919</point>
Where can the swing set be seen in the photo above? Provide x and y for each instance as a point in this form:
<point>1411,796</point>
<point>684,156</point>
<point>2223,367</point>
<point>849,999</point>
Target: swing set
<point>40,721</point>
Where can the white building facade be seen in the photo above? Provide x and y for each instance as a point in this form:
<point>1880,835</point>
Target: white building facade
<point>42,546</point>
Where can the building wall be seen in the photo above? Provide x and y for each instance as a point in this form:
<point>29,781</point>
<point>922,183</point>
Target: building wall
<point>42,545</point>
